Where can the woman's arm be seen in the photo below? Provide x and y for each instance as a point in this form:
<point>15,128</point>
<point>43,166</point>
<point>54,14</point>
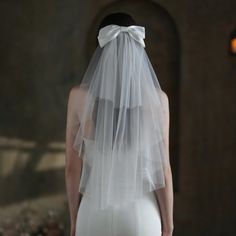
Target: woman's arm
<point>165,195</point>
<point>73,164</point>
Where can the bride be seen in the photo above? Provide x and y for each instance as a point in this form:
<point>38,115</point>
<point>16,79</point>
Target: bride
<point>118,174</point>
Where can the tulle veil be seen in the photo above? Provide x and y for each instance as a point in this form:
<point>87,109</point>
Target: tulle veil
<point>121,126</point>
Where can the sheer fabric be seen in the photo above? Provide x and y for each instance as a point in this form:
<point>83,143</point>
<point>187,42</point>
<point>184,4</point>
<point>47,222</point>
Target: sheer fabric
<point>123,121</point>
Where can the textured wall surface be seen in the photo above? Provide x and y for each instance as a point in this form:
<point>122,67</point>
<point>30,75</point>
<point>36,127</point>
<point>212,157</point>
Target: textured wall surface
<point>45,48</point>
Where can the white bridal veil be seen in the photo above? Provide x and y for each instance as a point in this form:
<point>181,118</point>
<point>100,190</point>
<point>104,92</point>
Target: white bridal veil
<point>122,121</point>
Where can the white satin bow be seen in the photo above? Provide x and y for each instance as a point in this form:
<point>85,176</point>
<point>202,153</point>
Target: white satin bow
<point>109,32</point>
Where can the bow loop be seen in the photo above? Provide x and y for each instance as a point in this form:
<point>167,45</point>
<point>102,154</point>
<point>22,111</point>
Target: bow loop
<point>110,32</point>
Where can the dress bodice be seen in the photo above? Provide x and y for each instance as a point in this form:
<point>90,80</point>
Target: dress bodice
<point>88,148</point>
<point>88,142</point>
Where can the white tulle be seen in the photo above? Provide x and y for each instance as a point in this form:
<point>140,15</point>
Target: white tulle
<point>122,120</point>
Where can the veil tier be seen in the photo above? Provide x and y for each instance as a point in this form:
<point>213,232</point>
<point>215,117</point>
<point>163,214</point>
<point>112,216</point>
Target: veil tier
<point>122,121</point>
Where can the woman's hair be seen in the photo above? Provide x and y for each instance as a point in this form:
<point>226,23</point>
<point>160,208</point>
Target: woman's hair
<point>118,18</point>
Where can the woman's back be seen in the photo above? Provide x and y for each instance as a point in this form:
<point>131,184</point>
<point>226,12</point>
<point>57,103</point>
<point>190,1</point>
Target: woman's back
<point>117,127</point>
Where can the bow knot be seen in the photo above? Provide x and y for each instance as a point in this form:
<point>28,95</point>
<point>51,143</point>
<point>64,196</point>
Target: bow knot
<point>109,32</point>
<point>123,29</point>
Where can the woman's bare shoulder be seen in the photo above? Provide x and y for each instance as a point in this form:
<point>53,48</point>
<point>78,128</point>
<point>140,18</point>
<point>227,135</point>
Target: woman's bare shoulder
<point>76,99</point>
<point>76,92</point>
<point>163,95</point>
<point>75,89</point>
<point>164,98</point>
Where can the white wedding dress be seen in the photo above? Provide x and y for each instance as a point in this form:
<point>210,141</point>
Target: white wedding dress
<point>138,218</point>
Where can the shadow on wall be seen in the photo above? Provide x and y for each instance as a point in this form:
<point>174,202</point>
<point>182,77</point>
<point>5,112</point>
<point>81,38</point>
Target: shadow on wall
<point>39,49</point>
<point>29,170</point>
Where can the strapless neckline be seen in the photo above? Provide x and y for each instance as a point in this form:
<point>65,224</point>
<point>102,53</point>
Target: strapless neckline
<point>88,139</point>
